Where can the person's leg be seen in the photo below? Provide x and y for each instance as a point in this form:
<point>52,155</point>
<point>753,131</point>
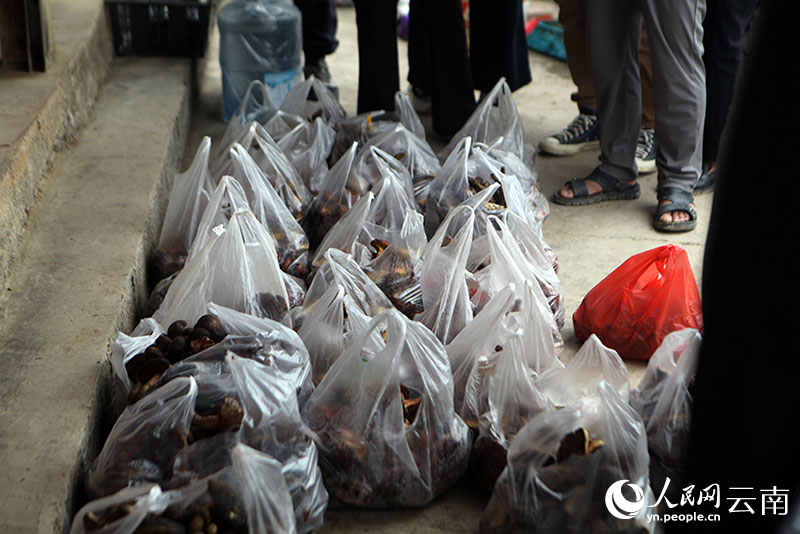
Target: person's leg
<point>646,145</point>
<point>724,29</point>
<point>497,44</point>
<point>378,68</point>
<point>613,36</point>
<point>675,31</point>
<point>613,33</point>
<point>582,132</point>
<point>452,95</point>
<point>419,65</point>
<point>572,16</point>
<point>319,29</point>
<point>646,77</point>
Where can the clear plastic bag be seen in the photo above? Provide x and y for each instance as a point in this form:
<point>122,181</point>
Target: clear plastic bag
<point>539,206</point>
<point>264,492</point>
<point>443,283</point>
<point>373,163</point>
<point>337,194</point>
<point>190,194</point>
<point>562,464</point>
<point>413,152</point>
<point>476,349</point>
<point>393,199</point>
<point>283,177</point>
<point>396,269</point>
<point>141,446</point>
<point>125,348</point>
<point>348,300</point>
<point>255,107</point>
<point>263,340</point>
<point>509,264</point>
<point>245,136</point>
<point>237,268</point>
<point>496,121</point>
<point>541,259</point>
<point>308,146</point>
<point>246,496</point>
<point>311,99</point>
<point>344,234</point>
<point>508,399</point>
<point>248,390</point>
<point>282,123</point>
<point>383,418</point>
<point>450,187</point>
<point>663,399</point>
<point>515,195</point>
<point>408,115</point>
<point>271,423</point>
<point>472,354</point>
<point>120,513</point>
<point>229,196</point>
<point>592,364</point>
<point>360,129</point>
<point>291,242</point>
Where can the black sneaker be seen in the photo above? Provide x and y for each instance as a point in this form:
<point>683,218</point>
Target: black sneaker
<point>646,151</point>
<point>319,69</point>
<point>581,134</point>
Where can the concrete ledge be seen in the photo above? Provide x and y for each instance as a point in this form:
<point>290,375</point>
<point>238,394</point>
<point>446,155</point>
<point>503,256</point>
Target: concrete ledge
<point>40,111</point>
<point>79,280</point>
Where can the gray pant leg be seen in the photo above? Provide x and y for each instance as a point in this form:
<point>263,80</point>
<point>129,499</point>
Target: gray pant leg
<point>613,30</point>
<point>675,29</point>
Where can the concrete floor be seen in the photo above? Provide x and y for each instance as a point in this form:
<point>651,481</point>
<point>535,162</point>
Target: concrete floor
<point>590,241</point>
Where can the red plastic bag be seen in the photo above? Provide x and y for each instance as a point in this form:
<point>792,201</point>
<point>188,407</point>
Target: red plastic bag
<point>650,295</point>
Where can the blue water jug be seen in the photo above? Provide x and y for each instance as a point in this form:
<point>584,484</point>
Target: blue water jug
<point>259,40</point>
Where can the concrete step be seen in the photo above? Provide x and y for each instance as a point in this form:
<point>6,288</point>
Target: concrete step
<point>39,112</point>
<point>79,274</point>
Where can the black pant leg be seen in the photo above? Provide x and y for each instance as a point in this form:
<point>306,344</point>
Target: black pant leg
<point>724,27</point>
<point>497,44</point>
<point>319,28</point>
<point>419,64</point>
<point>378,69</point>
<point>452,95</point>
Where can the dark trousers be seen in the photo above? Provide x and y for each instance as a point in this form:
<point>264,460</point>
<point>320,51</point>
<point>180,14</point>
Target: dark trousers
<point>438,61</point>
<point>724,29</point>
<point>378,68</point>
<point>497,44</point>
<point>319,28</point>
<point>746,384</point>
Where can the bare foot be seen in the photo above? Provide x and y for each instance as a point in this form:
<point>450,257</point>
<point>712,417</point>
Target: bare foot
<point>674,216</point>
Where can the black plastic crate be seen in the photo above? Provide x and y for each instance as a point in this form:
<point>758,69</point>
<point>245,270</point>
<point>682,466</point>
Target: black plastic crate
<point>166,28</point>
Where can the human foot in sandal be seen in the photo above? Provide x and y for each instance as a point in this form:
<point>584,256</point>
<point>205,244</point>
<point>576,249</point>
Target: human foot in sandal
<point>676,211</point>
<point>596,187</point>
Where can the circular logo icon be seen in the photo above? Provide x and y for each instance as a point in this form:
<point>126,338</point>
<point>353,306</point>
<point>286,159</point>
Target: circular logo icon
<point>618,505</point>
